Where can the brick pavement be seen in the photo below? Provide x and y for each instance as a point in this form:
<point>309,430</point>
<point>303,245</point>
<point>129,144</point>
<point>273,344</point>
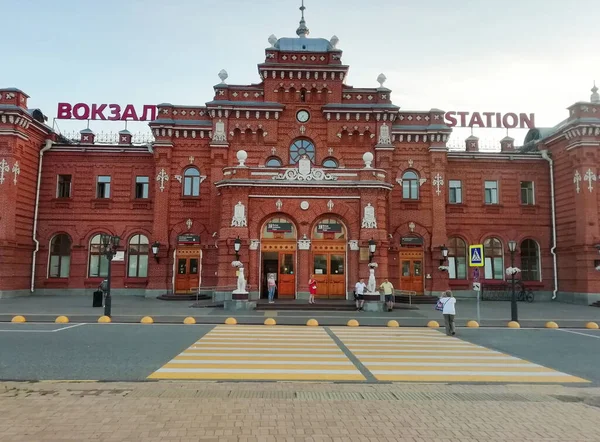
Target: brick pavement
<point>295,412</point>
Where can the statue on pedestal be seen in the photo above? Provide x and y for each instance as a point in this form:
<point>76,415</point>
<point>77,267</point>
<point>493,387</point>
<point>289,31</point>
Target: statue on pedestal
<point>241,282</point>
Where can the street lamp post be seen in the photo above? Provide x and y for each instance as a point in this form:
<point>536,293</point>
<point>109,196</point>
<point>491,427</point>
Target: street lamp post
<point>514,314</point>
<point>237,245</point>
<point>444,251</point>
<point>372,248</point>
<point>110,244</point>
<point>155,249</point>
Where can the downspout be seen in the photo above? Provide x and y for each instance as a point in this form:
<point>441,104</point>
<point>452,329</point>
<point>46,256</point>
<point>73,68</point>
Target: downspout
<point>553,204</point>
<point>46,148</point>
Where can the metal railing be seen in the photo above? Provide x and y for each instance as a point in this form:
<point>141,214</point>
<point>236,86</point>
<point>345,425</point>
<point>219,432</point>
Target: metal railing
<point>503,292</point>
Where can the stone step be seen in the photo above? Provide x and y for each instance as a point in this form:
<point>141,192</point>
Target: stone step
<point>183,297</point>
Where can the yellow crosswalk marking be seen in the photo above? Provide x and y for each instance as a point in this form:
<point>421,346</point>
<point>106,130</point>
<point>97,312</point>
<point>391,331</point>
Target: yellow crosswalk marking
<point>425,355</point>
<point>258,353</point>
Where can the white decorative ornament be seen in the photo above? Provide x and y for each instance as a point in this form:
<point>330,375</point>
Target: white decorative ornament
<point>422,181</point>
<point>304,243</point>
<point>241,282</point>
<point>330,205</point>
<point>589,177</point>
<point>369,221</point>
<point>381,79</point>
<point>371,284</point>
<point>334,41</point>
<point>444,268</point>
<point>384,134</point>
<point>4,167</point>
<point>577,180</point>
<point>239,216</point>
<point>368,159</point>
<point>304,205</point>
<point>219,135</point>
<point>242,156</point>
<point>162,177</point>
<point>353,243</point>
<point>223,75</point>
<point>305,172</point>
<point>410,163</point>
<point>178,178</point>
<point>16,170</point>
<point>189,223</point>
<point>512,271</point>
<point>279,205</point>
<point>411,227</point>
<point>272,40</point>
<point>437,182</point>
<point>254,244</point>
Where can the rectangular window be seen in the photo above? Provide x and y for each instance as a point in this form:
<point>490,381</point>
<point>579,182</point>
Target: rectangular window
<point>491,192</point>
<point>455,189</point>
<point>142,184</point>
<point>63,189</point>
<point>527,194</point>
<point>103,187</point>
<point>59,266</point>
<point>457,267</point>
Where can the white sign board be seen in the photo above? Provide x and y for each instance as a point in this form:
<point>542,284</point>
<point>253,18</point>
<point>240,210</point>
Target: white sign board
<point>477,286</point>
<point>119,256</point>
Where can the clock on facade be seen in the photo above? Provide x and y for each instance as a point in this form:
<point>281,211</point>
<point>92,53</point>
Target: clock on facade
<point>302,116</point>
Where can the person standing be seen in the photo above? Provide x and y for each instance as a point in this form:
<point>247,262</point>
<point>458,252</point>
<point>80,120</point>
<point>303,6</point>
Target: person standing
<point>388,291</point>
<point>272,286</point>
<point>359,291</point>
<point>312,289</point>
<point>449,311</point>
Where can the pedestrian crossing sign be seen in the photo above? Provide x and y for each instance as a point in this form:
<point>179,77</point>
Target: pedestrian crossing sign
<point>476,255</point>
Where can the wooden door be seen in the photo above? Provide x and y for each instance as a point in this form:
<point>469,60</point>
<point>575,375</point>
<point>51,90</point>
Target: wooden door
<point>286,281</point>
<point>411,271</point>
<point>187,267</point>
<point>330,272</point>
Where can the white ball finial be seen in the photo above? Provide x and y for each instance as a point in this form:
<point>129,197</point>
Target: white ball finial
<point>272,40</point>
<point>334,41</point>
<point>368,159</point>
<point>381,79</point>
<point>595,98</point>
<point>242,156</point>
<point>223,76</point>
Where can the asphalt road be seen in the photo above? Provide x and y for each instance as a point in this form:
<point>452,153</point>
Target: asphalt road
<point>131,352</point>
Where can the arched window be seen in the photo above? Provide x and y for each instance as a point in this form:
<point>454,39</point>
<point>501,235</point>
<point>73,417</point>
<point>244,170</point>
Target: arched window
<point>457,258</point>
<point>300,148</point>
<point>330,162</point>
<point>410,185</point>
<point>279,228</point>
<point>273,162</point>
<point>60,256</point>
<point>137,257</point>
<point>98,262</point>
<point>329,228</point>
<point>494,259</point>
<point>530,260</point>
<point>191,182</point>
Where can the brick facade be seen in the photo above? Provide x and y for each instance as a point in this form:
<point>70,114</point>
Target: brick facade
<point>345,124</point>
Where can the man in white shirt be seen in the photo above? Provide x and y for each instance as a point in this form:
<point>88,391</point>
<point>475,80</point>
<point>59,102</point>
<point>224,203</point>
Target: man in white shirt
<point>359,291</point>
<point>449,311</point>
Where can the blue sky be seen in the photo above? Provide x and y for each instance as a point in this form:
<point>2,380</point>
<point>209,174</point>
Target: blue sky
<point>516,55</point>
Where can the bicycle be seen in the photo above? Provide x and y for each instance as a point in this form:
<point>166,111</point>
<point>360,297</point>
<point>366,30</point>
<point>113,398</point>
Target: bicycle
<point>525,295</point>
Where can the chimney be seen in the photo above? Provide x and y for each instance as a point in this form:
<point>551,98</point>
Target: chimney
<point>472,144</point>
<point>125,137</point>
<point>507,144</point>
<point>87,136</point>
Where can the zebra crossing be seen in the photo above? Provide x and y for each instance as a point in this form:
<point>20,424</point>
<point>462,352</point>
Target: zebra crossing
<point>262,353</point>
<point>426,355</point>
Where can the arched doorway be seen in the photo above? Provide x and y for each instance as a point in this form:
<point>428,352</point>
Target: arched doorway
<point>278,257</point>
<point>329,258</point>
<point>411,264</point>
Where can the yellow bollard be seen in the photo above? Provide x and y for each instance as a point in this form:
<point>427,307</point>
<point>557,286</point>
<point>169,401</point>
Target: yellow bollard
<point>230,321</point>
<point>18,319</point>
<point>189,321</point>
<point>592,326</point>
<point>270,321</point>
<point>62,320</point>
<point>312,323</point>
<point>473,324</point>
<point>513,324</point>
<point>104,320</point>
<point>352,323</point>
<point>551,324</point>
<point>393,323</point>
<point>147,320</point>
<point>433,324</point>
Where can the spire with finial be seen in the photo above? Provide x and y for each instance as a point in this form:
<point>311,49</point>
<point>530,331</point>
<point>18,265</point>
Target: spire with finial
<point>595,96</point>
<point>302,30</point>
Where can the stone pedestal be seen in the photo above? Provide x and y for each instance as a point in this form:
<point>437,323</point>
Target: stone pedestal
<point>373,302</point>
<point>239,301</point>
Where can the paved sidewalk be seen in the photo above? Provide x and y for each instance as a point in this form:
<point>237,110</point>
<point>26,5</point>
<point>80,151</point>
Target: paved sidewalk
<point>132,309</point>
<point>295,412</point>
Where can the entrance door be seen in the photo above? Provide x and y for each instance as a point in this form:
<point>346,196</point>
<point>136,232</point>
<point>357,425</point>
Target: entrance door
<point>282,266</point>
<point>187,270</point>
<point>330,272</point>
<point>411,271</point>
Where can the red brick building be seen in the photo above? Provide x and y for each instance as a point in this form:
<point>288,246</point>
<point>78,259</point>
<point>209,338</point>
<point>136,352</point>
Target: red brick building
<point>305,170</point>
